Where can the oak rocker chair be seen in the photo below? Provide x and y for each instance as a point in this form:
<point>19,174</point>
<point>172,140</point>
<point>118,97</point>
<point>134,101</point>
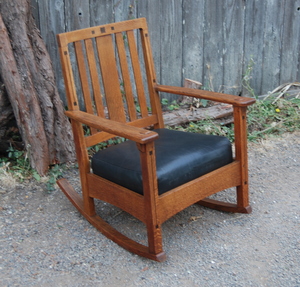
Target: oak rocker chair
<point>112,90</point>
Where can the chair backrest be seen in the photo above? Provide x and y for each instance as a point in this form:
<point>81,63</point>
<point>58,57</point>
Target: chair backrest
<point>109,71</point>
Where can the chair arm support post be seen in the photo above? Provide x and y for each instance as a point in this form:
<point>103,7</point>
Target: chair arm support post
<point>84,167</point>
<point>138,135</point>
<point>150,190</point>
<point>240,132</point>
<point>207,95</point>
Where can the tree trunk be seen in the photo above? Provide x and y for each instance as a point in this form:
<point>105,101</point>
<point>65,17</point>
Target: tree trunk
<point>27,74</point>
<point>6,119</point>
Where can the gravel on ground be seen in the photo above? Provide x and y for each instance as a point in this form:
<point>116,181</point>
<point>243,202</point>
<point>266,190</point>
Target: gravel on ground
<point>44,241</point>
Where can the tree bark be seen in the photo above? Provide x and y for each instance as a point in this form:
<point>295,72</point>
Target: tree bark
<point>6,118</point>
<point>6,112</point>
<point>27,73</point>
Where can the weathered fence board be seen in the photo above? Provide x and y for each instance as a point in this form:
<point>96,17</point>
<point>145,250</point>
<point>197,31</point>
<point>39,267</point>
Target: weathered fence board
<point>53,16</point>
<point>171,42</point>
<point>272,43</point>
<point>193,39</point>
<point>124,10</point>
<point>35,10</point>
<point>233,35</point>
<point>98,17</point>
<point>290,42</point>
<point>210,41</point>
<point>253,43</point>
<point>213,59</point>
<point>149,9</point>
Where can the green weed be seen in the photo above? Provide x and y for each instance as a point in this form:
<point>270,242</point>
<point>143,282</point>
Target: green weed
<point>208,126</point>
<point>264,117</point>
<point>105,144</point>
<point>169,106</point>
<point>54,173</point>
<point>17,164</point>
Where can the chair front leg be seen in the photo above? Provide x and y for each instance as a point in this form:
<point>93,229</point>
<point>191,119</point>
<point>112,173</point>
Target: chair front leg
<point>150,189</point>
<point>240,131</point>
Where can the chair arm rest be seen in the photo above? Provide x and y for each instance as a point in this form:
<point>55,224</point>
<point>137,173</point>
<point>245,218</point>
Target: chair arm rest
<point>138,135</point>
<point>207,95</point>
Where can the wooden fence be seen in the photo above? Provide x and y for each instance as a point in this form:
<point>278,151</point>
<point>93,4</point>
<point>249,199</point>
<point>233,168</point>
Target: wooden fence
<point>220,43</point>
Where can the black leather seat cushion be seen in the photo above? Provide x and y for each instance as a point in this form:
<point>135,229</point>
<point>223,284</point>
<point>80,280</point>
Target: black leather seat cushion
<point>180,157</point>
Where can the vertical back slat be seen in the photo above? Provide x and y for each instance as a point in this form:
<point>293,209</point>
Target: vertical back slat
<point>110,78</point>
<point>94,77</point>
<point>126,76</point>
<point>137,73</point>
<point>67,73</point>
<point>83,76</point>
<point>84,79</point>
<point>151,77</point>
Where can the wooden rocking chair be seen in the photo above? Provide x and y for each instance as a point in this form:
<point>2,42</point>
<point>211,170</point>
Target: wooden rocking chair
<point>109,73</point>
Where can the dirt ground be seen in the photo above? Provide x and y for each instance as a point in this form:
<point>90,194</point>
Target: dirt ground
<point>44,241</point>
